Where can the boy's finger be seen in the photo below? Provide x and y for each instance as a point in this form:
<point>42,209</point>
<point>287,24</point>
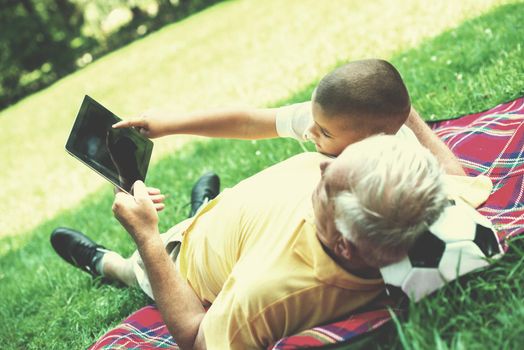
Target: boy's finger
<point>121,124</point>
<point>137,122</point>
<point>159,206</point>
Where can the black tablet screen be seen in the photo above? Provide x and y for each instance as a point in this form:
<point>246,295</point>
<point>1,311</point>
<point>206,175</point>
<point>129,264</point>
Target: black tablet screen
<point>120,155</point>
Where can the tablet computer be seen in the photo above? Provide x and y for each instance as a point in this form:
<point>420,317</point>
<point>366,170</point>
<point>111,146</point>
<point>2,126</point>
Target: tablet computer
<point>120,155</point>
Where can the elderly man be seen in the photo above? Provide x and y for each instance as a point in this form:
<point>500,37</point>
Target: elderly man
<point>284,250</point>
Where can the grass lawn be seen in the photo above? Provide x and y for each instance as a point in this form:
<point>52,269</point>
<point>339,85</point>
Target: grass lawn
<point>46,304</point>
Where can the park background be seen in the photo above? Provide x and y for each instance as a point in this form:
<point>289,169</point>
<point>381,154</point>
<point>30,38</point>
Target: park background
<point>456,58</point>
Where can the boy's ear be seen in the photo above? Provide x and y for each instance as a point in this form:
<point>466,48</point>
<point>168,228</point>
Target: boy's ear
<point>313,94</point>
<point>343,248</point>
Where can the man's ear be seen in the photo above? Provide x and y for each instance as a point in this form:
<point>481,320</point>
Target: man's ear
<point>343,248</point>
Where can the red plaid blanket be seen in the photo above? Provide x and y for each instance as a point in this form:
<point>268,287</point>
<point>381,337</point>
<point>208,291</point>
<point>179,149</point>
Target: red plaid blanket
<point>490,143</point>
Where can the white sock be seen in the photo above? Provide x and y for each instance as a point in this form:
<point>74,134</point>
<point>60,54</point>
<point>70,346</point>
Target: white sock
<point>114,266</point>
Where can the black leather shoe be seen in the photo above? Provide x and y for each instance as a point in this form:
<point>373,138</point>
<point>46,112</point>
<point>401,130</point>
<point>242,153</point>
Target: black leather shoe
<point>205,189</point>
<point>78,249</point>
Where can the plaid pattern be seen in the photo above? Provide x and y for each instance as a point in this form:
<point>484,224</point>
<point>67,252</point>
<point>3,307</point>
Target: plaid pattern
<point>144,329</point>
<point>489,143</point>
<point>337,332</point>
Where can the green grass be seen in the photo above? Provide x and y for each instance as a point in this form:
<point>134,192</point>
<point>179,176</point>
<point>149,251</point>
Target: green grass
<point>46,304</point>
<point>468,69</point>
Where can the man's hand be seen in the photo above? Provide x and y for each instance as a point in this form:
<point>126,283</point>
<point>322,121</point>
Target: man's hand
<point>150,124</point>
<point>137,213</point>
<point>157,198</point>
<point>180,307</point>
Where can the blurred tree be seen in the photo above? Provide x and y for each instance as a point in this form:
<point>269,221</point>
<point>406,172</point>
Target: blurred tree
<point>72,15</point>
<point>43,40</point>
<point>36,44</point>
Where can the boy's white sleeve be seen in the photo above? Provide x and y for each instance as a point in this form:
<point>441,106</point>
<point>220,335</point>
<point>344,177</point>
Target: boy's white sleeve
<point>294,120</point>
<point>407,134</point>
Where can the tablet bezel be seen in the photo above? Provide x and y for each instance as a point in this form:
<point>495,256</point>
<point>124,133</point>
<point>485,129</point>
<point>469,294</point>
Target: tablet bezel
<point>107,173</point>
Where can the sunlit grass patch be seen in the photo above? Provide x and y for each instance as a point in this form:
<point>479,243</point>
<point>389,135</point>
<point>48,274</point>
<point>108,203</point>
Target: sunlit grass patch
<point>468,69</point>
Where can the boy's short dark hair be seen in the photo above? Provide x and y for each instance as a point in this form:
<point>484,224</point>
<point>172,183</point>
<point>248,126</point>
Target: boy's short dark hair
<point>370,88</point>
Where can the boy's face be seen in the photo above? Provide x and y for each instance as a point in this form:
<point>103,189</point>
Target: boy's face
<point>331,135</point>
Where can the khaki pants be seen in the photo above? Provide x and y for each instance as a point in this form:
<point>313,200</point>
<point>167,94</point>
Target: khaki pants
<point>172,240</point>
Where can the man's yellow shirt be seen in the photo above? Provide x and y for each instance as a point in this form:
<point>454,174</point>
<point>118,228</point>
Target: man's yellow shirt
<point>253,253</point>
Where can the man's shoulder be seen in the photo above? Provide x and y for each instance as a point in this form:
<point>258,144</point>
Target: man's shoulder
<point>305,159</point>
<point>296,168</point>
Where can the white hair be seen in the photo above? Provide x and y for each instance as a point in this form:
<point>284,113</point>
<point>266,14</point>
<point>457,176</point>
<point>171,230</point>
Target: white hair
<point>394,194</point>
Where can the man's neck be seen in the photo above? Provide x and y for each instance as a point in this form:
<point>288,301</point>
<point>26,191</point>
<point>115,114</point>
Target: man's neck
<point>363,272</point>
<point>355,266</point>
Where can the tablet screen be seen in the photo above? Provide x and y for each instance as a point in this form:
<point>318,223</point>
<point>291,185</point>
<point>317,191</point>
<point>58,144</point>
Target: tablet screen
<point>120,155</point>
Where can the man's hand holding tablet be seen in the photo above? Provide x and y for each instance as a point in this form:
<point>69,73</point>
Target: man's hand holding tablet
<point>120,154</point>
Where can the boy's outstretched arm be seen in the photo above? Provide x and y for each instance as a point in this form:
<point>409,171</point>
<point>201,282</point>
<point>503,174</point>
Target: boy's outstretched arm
<point>230,123</point>
<point>430,140</point>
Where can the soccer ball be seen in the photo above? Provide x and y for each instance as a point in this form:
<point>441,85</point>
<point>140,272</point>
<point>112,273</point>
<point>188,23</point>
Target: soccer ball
<point>459,242</point>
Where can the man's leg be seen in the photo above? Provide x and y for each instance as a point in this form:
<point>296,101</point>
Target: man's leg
<point>205,189</point>
<point>116,268</point>
<point>82,252</point>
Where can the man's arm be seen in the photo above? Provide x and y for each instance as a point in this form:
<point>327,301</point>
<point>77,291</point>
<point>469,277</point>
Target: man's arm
<point>181,309</point>
<point>232,123</point>
<point>427,138</point>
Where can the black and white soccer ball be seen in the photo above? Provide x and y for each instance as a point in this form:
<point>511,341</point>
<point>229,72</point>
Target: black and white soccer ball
<point>460,241</point>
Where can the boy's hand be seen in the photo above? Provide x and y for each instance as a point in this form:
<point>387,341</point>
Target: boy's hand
<point>137,213</point>
<point>150,124</point>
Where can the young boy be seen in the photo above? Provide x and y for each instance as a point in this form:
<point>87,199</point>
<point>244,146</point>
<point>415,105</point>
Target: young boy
<point>357,100</point>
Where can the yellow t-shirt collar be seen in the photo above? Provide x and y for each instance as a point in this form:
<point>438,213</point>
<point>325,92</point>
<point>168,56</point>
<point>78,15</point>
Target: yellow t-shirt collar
<point>326,270</point>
